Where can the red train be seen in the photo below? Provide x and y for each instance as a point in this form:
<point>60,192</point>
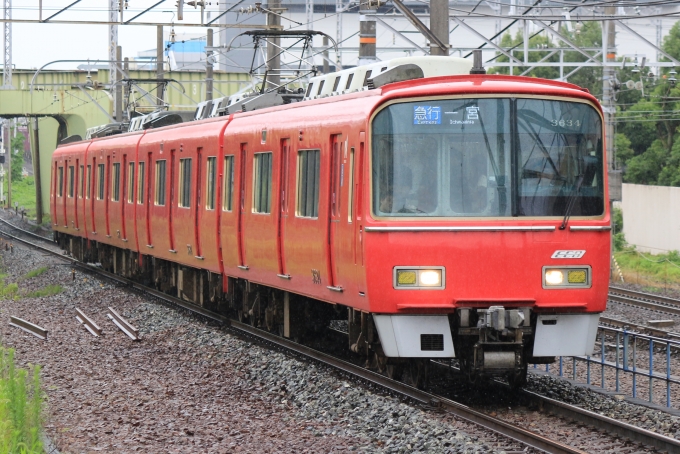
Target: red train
<point>455,216</point>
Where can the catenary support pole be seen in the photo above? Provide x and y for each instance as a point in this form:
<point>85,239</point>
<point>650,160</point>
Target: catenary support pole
<point>273,45</point>
<point>209,67</point>
<point>367,37</point>
<point>119,87</point>
<point>439,25</point>
<point>159,62</point>
<point>36,171</point>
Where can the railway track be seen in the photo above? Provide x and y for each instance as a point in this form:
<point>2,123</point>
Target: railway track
<point>513,432</point>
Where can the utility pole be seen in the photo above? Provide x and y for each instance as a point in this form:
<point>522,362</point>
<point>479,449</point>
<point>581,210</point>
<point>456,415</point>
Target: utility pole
<point>8,153</point>
<point>118,97</point>
<point>367,37</point>
<point>326,66</point>
<point>7,46</point>
<point>609,105</point>
<point>113,45</point>
<point>274,44</point>
<point>209,67</point>
<point>439,25</point>
<point>159,62</point>
<point>36,173</point>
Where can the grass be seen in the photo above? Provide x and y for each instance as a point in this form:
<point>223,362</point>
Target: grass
<point>50,290</point>
<point>23,192</point>
<point>21,402</point>
<point>654,272</point>
<point>35,273</point>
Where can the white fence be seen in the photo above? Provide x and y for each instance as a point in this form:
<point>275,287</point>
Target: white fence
<point>651,217</point>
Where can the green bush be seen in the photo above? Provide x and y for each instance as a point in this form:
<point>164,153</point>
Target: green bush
<point>21,402</point>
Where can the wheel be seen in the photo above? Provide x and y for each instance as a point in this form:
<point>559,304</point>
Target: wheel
<point>416,373</point>
<point>394,370</point>
<point>518,378</point>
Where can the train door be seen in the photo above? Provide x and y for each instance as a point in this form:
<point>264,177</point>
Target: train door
<point>107,195</point>
<point>199,201</point>
<point>360,195</point>
<point>284,199</point>
<point>149,198</point>
<point>76,185</point>
<point>335,199</point>
<point>171,230</point>
<point>93,177</point>
<point>242,205</point>
<point>123,199</point>
<point>358,236</point>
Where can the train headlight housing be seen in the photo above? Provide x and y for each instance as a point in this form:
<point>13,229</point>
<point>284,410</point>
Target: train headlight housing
<point>576,276</point>
<point>419,277</point>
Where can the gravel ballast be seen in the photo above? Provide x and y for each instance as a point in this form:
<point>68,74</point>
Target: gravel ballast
<point>188,386</point>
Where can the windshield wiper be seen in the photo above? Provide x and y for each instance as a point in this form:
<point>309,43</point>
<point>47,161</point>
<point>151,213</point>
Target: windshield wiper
<point>572,199</point>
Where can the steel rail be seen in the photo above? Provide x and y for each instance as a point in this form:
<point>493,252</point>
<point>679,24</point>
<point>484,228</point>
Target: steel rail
<point>29,327</point>
<point>499,426</point>
<point>27,232</point>
<point>644,296</point>
<point>123,324</point>
<point>661,307</point>
<point>610,425</point>
<point>88,323</point>
<point>120,280</point>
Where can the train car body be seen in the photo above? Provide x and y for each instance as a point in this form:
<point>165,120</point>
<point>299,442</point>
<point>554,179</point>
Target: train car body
<point>455,216</point>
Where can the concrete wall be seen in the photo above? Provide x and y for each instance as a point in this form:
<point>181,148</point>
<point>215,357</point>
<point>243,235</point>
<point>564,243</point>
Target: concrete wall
<point>651,217</point>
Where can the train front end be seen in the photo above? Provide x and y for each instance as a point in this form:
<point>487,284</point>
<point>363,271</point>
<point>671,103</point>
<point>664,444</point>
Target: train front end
<point>488,237</point>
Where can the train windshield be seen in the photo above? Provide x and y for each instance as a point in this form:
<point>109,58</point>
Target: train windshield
<point>487,157</point>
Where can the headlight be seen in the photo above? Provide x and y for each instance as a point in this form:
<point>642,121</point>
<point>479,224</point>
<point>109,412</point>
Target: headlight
<point>419,277</point>
<point>554,277</point>
<point>567,277</point>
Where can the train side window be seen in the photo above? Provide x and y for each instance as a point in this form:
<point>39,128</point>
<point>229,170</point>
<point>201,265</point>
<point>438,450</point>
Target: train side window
<point>228,183</point>
<point>81,181</point>
<point>131,183</point>
<point>71,182</point>
<point>115,182</point>
<point>100,182</point>
<point>159,197</point>
<point>350,188</point>
<point>262,182</point>
<point>308,183</point>
<point>210,181</point>
<point>140,184</point>
<point>89,178</point>
<point>60,181</point>
<point>185,183</point>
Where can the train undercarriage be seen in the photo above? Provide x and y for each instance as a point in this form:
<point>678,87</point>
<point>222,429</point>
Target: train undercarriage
<point>494,341</point>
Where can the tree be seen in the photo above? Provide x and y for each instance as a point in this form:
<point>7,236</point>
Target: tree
<point>17,147</point>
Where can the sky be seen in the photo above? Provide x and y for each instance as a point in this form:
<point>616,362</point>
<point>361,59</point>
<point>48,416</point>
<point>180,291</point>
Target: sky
<point>37,44</point>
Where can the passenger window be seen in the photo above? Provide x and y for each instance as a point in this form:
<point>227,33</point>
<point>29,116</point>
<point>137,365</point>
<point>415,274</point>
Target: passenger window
<point>115,182</point>
<point>308,183</point>
<point>81,181</point>
<point>210,199</point>
<point>71,183</point>
<point>185,183</point>
<point>228,183</point>
<point>60,181</point>
<point>131,183</point>
<point>89,176</point>
<point>140,184</point>
<point>100,176</point>
<point>160,183</point>
<point>262,181</point>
